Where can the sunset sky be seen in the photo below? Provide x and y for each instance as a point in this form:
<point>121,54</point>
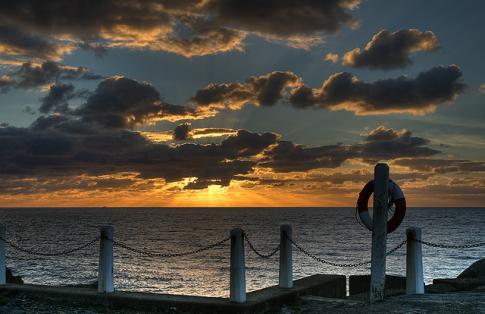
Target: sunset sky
<point>240,103</point>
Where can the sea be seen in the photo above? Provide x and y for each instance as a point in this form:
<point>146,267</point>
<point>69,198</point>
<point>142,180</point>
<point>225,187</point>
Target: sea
<point>332,234</point>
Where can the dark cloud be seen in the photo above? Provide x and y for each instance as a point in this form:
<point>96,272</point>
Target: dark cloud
<point>344,91</point>
<point>388,50</point>
<point>30,75</point>
<point>189,28</point>
<point>63,146</point>
<point>264,90</point>
<point>120,102</point>
<point>302,23</point>
<point>341,91</point>
<point>380,144</point>
<point>386,144</point>
<point>181,132</point>
<point>441,165</point>
<point>329,180</point>
<point>57,98</point>
<point>57,146</point>
<point>287,157</point>
<point>24,44</point>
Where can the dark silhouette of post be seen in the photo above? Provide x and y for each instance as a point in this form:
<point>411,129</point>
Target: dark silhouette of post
<point>286,258</point>
<point>238,267</point>
<point>379,233</point>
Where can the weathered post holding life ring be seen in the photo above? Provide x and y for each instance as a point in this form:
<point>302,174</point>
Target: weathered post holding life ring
<point>396,197</point>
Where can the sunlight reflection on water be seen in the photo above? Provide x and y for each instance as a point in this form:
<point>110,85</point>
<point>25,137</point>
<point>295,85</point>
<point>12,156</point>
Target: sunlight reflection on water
<point>331,233</point>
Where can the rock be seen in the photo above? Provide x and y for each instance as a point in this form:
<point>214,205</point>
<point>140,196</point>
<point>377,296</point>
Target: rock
<point>475,270</point>
<point>461,284</point>
<point>439,288</point>
<point>479,289</point>
<point>11,278</point>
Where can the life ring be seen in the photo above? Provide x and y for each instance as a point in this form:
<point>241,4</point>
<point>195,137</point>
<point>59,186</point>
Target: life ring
<point>396,197</point>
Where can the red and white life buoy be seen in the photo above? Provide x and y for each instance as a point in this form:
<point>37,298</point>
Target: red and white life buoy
<point>396,197</point>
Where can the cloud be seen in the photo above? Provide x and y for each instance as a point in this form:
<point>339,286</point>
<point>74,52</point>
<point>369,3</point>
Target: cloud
<point>380,144</point>
<point>58,97</point>
<point>420,95</point>
<point>341,91</point>
<point>30,75</point>
<point>188,28</point>
<point>331,57</point>
<point>441,165</point>
<point>301,23</point>
<point>388,50</point>
<point>120,102</point>
<point>264,90</point>
<point>386,144</point>
<point>58,146</point>
<point>181,132</point>
<point>22,44</point>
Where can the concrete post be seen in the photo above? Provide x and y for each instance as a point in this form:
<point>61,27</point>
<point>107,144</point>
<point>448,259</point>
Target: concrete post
<point>379,233</point>
<point>3,277</point>
<point>414,263</point>
<point>105,271</point>
<point>286,257</point>
<point>238,268</point>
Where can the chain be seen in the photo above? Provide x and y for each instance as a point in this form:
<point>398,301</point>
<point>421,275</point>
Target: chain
<point>323,261</point>
<point>168,255</point>
<point>446,246</point>
<point>32,252</point>
<point>251,246</point>
<point>397,247</point>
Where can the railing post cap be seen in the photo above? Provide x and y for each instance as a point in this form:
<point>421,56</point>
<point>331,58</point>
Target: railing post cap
<point>236,231</point>
<point>413,229</point>
<point>285,227</point>
<point>382,165</point>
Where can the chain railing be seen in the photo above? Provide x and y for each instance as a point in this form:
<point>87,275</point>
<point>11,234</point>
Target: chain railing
<point>265,256</point>
<point>168,255</point>
<point>343,265</point>
<point>452,246</point>
<point>38,253</point>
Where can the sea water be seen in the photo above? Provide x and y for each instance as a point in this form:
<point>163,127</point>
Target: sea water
<point>330,233</point>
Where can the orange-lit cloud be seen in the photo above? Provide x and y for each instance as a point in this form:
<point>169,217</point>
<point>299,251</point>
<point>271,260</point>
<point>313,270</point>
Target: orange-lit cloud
<point>389,50</point>
<point>187,28</point>
<point>341,91</point>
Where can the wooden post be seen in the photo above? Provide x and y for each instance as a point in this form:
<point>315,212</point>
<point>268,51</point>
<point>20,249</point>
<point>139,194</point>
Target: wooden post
<point>414,262</point>
<point>379,233</point>
<point>286,256</point>
<point>238,268</point>
<point>105,271</point>
<point>3,277</point>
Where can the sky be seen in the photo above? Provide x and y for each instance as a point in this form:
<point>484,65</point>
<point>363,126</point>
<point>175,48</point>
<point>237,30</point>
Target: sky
<point>240,103</point>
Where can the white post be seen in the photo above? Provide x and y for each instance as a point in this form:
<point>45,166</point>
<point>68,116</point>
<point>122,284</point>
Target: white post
<point>414,262</point>
<point>3,277</point>
<point>286,256</point>
<point>379,233</point>
<point>105,272</point>
<point>238,268</point>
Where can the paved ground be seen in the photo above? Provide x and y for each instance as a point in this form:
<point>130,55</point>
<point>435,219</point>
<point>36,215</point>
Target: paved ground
<point>458,302</point>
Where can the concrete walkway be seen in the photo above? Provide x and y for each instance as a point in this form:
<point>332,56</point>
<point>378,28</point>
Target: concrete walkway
<point>257,301</point>
<point>456,302</point>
